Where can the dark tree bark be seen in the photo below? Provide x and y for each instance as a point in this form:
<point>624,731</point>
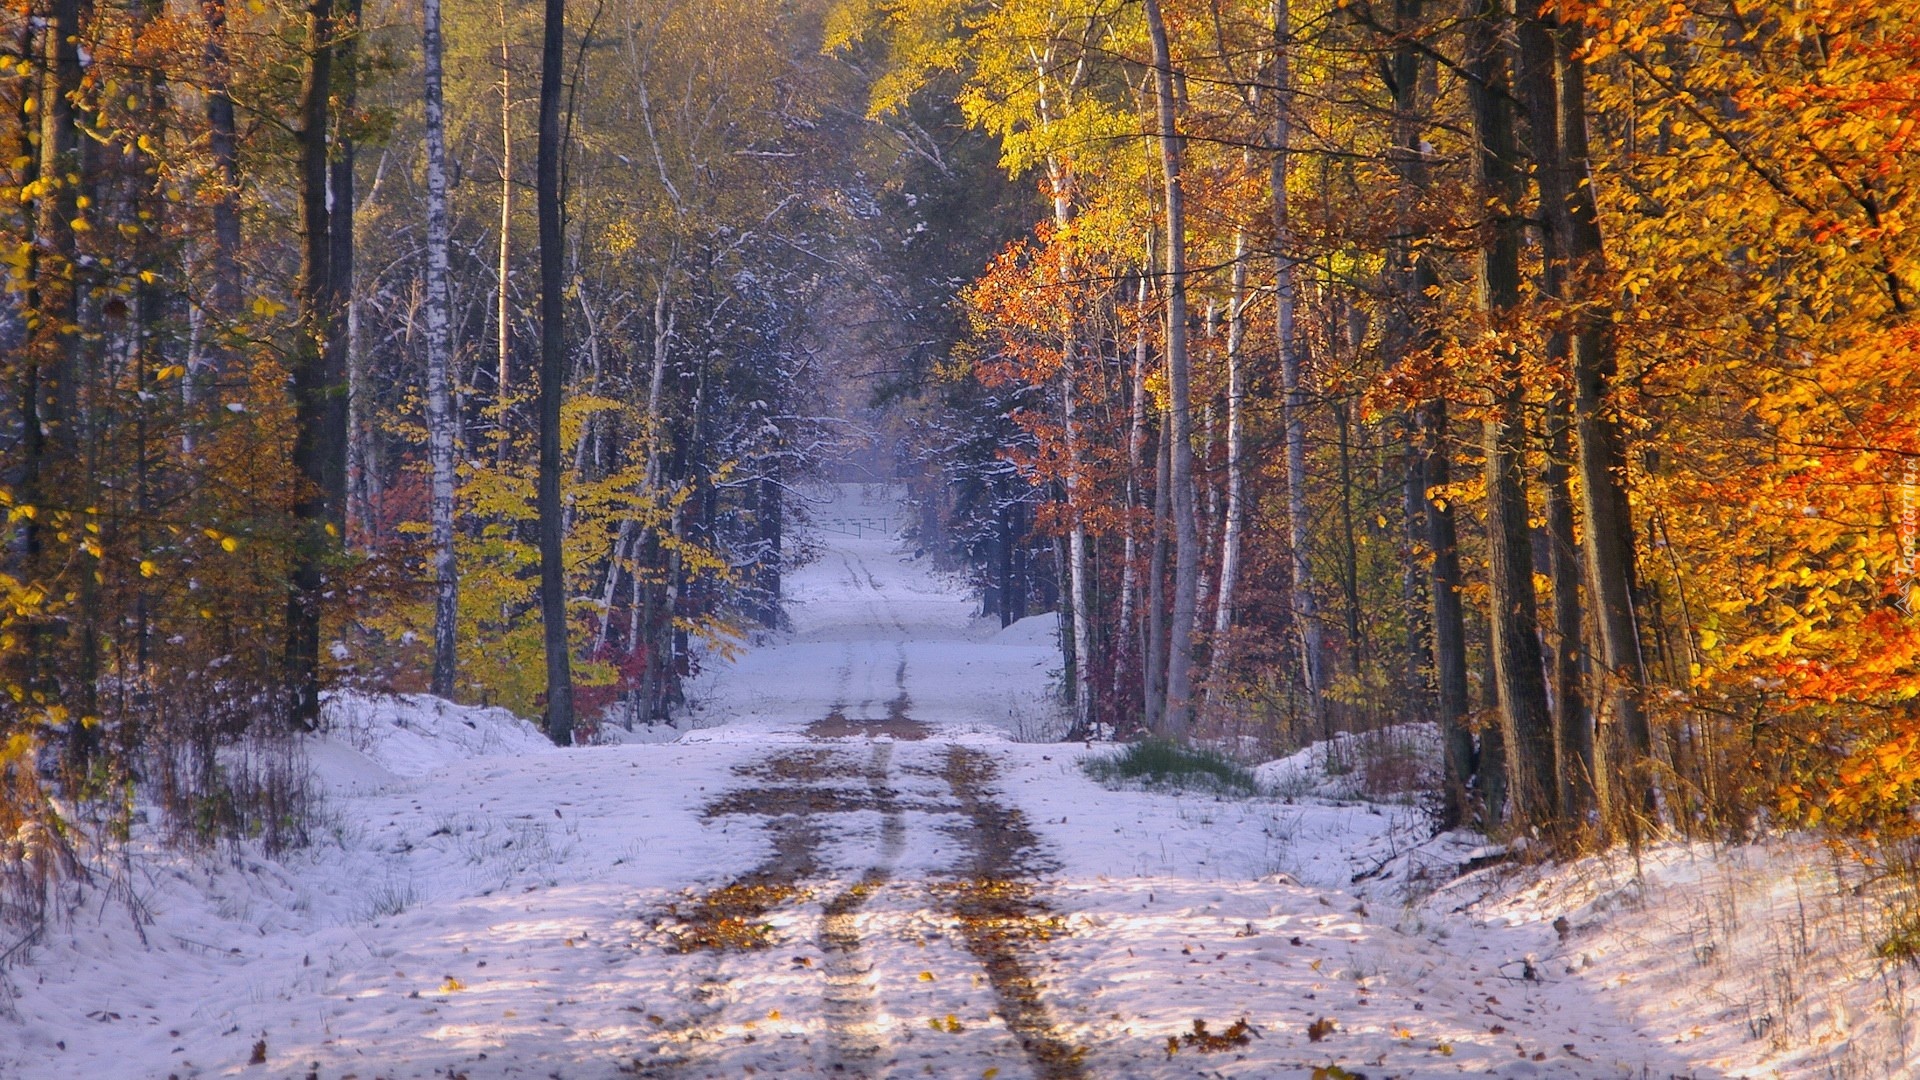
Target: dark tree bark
<point>223,143</point>
<point>1600,446</point>
<point>1573,724</point>
<point>553,375</point>
<point>769,517</point>
<point>319,444</point>
<point>1429,469</point>
<point>1305,604</point>
<point>1513,615</point>
<point>1178,713</point>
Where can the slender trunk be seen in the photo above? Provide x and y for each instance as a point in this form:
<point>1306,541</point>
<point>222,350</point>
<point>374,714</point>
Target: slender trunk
<point>24,546</point>
<point>1349,543</point>
<point>343,345</point>
<point>1079,586</point>
<point>1306,615</point>
<point>1136,446</point>
<point>1236,511</point>
<point>1513,615</point>
<point>437,313</point>
<point>154,304</point>
<point>1449,616</point>
<point>1079,570</point>
<point>1600,445</point>
<point>1186,561</point>
<point>503,329</point>
<point>1429,514</point>
<point>1573,724</point>
<point>1156,674</point>
<point>1004,543</point>
<point>319,449</point>
<point>768,515</point>
<point>223,143</point>
<point>553,375</point>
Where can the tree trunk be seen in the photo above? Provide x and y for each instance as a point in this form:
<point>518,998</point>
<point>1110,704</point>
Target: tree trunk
<point>1430,515</point>
<point>1079,570</point>
<point>1221,661</point>
<point>768,516</point>
<point>439,301</point>
<point>1156,673</point>
<point>553,375</point>
<point>503,328</point>
<point>1178,714</point>
<point>1513,617</point>
<point>1600,445</point>
<point>1306,615</point>
<point>223,143</point>
<point>319,448</point>
<point>1449,618</point>
<point>1130,638</point>
<point>1573,724</point>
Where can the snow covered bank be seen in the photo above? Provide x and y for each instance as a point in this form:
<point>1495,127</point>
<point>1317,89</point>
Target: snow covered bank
<point>368,742</point>
<point>481,904</point>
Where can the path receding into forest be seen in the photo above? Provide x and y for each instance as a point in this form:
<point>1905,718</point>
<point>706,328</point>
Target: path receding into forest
<point>851,869</point>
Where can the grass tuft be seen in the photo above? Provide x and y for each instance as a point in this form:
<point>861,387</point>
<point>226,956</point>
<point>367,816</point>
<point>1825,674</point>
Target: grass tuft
<point>1168,764</point>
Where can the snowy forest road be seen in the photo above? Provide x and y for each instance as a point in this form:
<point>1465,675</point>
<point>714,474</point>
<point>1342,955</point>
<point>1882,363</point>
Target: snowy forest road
<point>859,863</point>
<point>935,900</point>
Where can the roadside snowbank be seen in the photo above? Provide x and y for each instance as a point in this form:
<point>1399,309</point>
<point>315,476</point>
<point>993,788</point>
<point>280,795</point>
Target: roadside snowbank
<point>367,742</point>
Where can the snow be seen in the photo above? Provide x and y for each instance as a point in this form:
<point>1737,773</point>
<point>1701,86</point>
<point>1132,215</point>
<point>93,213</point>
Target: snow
<point>479,903</point>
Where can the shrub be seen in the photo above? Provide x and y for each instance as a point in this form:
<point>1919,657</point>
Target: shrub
<point>1164,763</point>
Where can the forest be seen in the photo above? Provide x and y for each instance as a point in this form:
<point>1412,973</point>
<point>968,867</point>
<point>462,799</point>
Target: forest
<point>1541,371</point>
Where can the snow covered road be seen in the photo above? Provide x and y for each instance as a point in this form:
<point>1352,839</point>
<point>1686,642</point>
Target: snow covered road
<point>850,870</point>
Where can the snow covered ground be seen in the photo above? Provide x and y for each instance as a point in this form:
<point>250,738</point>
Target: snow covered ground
<point>923,895</point>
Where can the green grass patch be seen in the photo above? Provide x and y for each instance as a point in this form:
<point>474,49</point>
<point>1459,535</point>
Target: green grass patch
<point>1167,764</point>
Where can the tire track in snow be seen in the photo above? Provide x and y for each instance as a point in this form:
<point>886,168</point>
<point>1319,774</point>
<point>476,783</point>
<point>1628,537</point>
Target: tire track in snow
<point>1000,919</point>
<point>856,1042</point>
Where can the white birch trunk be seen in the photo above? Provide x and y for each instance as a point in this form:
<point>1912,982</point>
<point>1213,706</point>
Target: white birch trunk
<point>436,314</point>
<point>1236,513</point>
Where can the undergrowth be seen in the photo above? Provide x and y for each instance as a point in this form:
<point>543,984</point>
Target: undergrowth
<point>1163,763</point>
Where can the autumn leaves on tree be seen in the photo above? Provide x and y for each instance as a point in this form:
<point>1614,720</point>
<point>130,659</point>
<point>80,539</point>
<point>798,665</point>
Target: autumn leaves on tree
<point>1539,370</point>
<point>1543,372</point>
<point>333,357</point>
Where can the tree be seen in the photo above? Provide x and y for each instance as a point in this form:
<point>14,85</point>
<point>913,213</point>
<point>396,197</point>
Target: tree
<point>1512,610</point>
<point>319,449</point>
<point>553,376</point>
<point>436,315</point>
<point>1186,540</point>
<point>1306,615</point>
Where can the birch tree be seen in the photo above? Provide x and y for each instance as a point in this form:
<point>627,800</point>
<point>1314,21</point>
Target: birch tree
<point>435,314</point>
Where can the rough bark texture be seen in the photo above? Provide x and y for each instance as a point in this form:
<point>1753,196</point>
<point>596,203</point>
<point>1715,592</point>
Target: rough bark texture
<point>1536,79</point>
<point>1436,514</point>
<point>316,445</point>
<point>435,313</point>
<point>1513,616</point>
<point>1600,446</point>
<point>1186,542</point>
<point>553,376</point>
